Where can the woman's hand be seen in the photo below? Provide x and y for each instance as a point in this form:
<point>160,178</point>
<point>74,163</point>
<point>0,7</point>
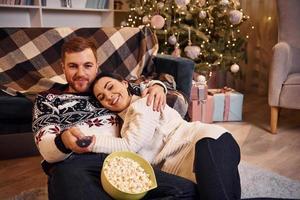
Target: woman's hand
<point>157,94</point>
<point>69,138</point>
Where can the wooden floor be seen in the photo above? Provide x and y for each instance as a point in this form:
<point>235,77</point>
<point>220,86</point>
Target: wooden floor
<point>279,153</point>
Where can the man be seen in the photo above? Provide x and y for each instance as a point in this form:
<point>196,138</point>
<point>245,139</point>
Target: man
<point>63,115</point>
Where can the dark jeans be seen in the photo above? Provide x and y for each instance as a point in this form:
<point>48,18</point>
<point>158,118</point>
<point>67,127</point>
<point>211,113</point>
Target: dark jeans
<point>216,168</point>
<point>78,177</point>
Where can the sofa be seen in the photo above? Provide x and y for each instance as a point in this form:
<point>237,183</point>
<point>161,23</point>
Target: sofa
<point>30,63</point>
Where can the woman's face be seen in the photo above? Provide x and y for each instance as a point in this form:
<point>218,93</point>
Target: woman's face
<point>112,93</point>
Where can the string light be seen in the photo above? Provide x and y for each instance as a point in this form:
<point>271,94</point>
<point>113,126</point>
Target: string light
<point>175,15</point>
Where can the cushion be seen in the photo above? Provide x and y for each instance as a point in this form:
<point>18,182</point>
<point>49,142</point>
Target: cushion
<point>293,79</point>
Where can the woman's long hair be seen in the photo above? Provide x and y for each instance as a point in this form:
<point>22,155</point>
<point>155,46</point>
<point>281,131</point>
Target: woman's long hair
<point>113,76</point>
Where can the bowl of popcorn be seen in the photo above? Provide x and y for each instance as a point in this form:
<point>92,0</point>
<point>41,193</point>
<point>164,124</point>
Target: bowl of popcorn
<point>127,176</point>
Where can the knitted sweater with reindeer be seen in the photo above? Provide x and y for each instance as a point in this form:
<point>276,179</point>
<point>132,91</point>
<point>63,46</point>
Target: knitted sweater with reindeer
<point>55,111</point>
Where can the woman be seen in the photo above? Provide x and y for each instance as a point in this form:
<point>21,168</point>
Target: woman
<point>166,140</point>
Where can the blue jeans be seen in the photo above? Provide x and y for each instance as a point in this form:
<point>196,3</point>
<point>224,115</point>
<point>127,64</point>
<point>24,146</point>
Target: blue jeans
<point>78,177</point>
<point>216,168</point>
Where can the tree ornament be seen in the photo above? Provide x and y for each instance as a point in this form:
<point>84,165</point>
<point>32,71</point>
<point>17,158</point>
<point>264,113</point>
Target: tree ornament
<point>177,50</point>
<point>123,23</point>
<point>202,14</point>
<point>201,3</point>
<point>160,5</point>
<point>201,79</point>
<point>192,51</point>
<point>235,16</point>
<point>157,22</point>
<point>234,68</point>
<point>182,2</point>
<point>224,2</point>
<point>145,19</point>
<point>172,40</point>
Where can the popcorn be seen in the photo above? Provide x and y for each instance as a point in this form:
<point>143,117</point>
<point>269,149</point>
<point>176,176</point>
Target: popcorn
<point>127,175</point>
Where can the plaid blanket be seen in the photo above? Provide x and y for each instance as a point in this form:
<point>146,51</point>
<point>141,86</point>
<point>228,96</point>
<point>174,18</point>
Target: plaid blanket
<point>30,57</point>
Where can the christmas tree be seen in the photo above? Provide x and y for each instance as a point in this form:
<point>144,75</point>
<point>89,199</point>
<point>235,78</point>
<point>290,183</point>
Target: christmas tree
<point>206,31</point>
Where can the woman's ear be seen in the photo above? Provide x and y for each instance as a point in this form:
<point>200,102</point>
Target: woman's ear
<point>125,83</point>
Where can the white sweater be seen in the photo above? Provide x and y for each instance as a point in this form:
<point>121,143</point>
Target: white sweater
<point>162,138</point>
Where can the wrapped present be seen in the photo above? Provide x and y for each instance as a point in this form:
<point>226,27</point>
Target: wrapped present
<point>228,104</point>
<point>202,110</point>
<point>199,91</point>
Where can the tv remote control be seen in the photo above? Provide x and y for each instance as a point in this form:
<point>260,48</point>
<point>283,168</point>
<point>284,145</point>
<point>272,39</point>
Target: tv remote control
<point>85,141</point>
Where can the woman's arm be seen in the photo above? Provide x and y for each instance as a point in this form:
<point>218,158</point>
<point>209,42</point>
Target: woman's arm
<point>137,131</point>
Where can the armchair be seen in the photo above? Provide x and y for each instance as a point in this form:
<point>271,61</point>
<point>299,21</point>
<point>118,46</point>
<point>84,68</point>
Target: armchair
<point>284,80</point>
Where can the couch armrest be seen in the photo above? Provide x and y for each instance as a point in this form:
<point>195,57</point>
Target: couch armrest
<point>279,70</point>
<point>181,68</point>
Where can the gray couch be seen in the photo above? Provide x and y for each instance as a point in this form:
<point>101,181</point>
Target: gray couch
<point>284,81</point>
<point>25,68</point>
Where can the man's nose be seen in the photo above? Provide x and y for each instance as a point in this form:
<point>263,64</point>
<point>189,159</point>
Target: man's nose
<point>80,71</point>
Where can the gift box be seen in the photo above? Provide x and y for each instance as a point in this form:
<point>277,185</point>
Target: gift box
<point>228,105</point>
<point>202,110</point>
<point>199,92</point>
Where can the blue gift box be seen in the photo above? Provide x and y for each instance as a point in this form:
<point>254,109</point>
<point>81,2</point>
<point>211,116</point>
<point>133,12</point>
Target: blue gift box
<point>228,106</point>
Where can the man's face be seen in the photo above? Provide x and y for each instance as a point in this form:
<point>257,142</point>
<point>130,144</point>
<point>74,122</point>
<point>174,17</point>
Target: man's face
<point>80,69</point>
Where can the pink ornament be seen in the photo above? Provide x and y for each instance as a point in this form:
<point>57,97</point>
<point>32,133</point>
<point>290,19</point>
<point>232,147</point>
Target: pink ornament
<point>145,20</point>
<point>182,2</point>
<point>224,2</point>
<point>192,51</point>
<point>202,14</point>
<point>235,16</point>
<point>172,40</point>
<point>157,22</point>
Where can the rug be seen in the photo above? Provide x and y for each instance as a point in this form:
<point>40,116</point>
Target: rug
<point>258,182</point>
<point>255,182</point>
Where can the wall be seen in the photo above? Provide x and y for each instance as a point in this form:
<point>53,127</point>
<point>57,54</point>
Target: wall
<point>263,15</point>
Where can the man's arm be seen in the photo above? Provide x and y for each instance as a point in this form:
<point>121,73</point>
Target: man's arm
<point>47,130</point>
<point>156,92</point>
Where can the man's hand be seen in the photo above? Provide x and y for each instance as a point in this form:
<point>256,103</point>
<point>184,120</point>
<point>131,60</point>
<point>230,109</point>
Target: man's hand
<point>69,138</point>
<point>156,94</point>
